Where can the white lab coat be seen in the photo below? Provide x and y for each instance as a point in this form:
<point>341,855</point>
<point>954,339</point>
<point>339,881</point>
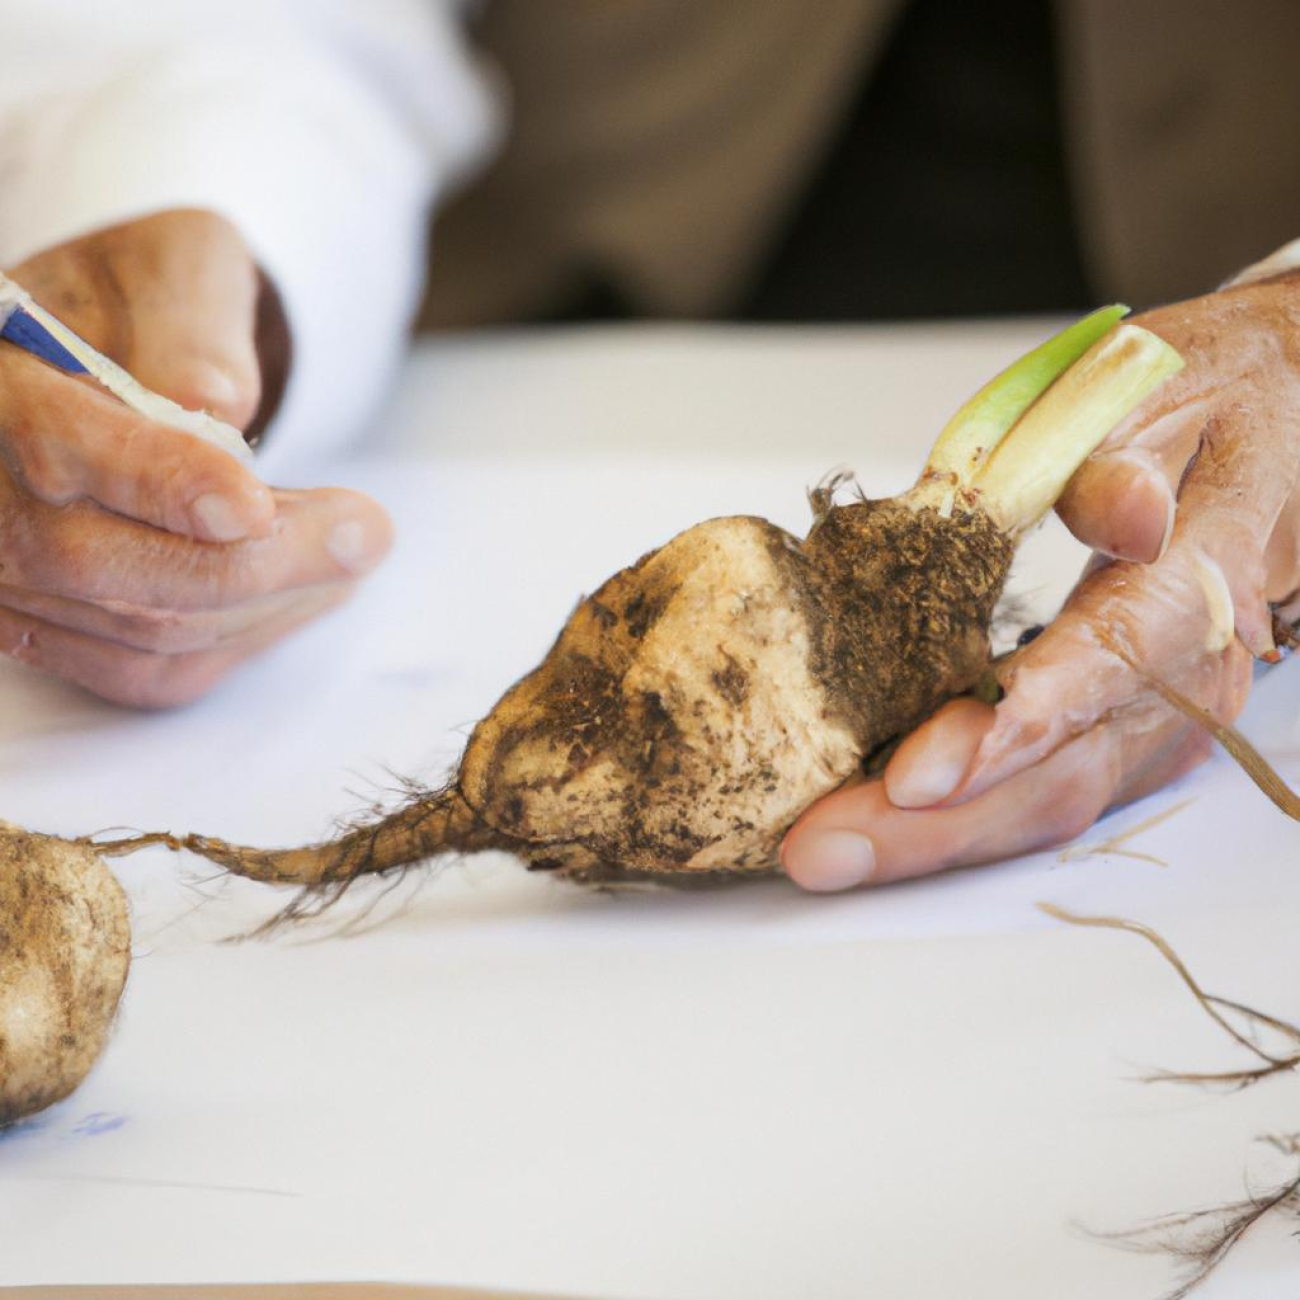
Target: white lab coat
<point>323,129</point>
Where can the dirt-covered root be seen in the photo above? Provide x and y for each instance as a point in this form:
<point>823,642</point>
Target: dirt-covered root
<point>696,703</point>
<point>65,946</point>
<point>702,698</point>
<point>431,824</point>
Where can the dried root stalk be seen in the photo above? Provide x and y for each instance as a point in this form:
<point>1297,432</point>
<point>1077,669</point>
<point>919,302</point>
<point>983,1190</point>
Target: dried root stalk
<point>1220,1010</point>
<point>1203,1239</point>
<point>1238,748</point>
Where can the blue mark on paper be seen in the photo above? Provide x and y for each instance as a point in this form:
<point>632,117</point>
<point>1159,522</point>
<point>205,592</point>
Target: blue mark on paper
<point>97,1123</point>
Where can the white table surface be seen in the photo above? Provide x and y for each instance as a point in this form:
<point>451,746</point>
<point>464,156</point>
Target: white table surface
<point>919,1092</point>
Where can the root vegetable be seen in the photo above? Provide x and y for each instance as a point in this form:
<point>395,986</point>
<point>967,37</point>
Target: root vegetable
<point>702,698</point>
<point>65,946</point>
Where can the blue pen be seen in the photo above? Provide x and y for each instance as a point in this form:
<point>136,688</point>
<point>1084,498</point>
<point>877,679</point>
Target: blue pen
<point>26,324</point>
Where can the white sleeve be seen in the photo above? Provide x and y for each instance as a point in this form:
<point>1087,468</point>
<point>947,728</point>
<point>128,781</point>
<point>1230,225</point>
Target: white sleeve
<point>322,128</point>
<point>1286,258</point>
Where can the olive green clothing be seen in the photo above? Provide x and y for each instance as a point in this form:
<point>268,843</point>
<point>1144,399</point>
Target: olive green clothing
<point>661,145</point>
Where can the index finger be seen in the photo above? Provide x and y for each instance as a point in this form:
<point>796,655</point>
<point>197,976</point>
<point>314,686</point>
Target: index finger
<point>65,440</point>
<point>82,553</point>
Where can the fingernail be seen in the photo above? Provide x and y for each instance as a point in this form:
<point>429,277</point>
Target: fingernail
<point>927,783</point>
<point>217,518</point>
<point>1145,505</point>
<point>214,382</point>
<point>830,860</point>
<point>352,546</point>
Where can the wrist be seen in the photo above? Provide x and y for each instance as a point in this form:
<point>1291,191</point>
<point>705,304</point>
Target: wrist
<point>274,345</point>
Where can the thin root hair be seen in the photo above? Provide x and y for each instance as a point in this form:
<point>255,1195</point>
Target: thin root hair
<point>1203,1239</point>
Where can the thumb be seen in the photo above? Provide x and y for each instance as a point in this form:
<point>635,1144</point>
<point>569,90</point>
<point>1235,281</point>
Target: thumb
<point>194,312</point>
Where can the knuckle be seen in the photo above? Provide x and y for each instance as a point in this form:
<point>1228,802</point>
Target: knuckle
<point>45,469</point>
<point>1079,802</point>
<point>156,682</point>
<point>1074,817</point>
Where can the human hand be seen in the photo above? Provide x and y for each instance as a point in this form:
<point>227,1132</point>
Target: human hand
<point>1197,496</point>
<point>136,560</point>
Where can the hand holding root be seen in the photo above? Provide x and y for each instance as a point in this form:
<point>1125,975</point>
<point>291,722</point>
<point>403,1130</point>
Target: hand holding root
<point>1197,494</point>
<point>704,696</point>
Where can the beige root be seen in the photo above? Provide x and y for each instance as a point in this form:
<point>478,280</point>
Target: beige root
<point>65,947</point>
<point>703,697</point>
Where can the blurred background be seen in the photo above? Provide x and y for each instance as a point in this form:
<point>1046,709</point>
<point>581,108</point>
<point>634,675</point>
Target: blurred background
<point>841,160</point>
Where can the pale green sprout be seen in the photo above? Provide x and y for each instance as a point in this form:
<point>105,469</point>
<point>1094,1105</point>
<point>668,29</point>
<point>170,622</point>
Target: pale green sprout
<point>1014,446</point>
<point>969,438</point>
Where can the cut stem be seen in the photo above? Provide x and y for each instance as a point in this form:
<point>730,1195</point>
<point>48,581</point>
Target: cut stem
<point>1022,480</point>
<point>968,439</point>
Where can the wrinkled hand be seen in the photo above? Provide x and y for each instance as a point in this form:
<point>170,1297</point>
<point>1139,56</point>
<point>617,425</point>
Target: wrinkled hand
<point>137,561</point>
<point>1196,499</point>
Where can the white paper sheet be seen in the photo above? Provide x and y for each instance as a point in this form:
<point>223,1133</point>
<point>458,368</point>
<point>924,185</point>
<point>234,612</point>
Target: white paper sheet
<point>509,1082</point>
